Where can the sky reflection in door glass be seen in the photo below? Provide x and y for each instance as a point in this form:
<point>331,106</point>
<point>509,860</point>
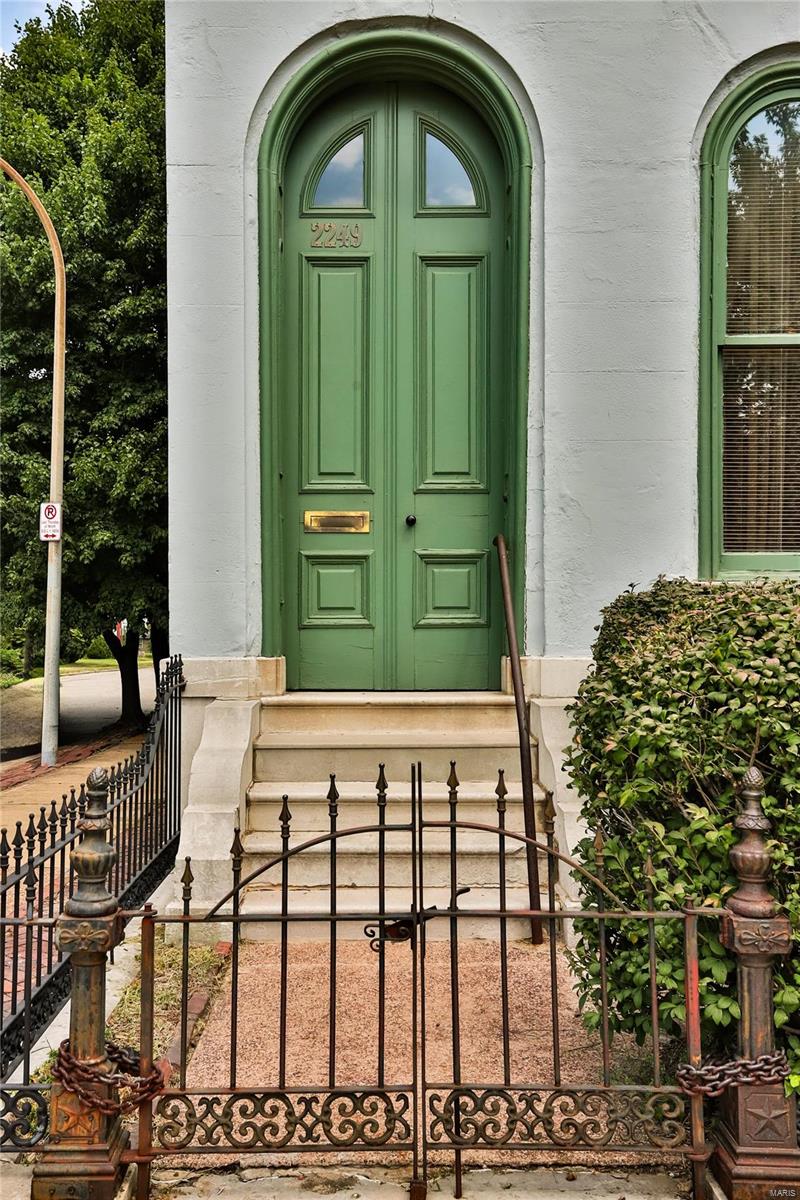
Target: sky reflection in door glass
<point>447,184</point>
<point>341,184</point>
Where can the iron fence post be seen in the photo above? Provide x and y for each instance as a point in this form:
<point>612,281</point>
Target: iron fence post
<point>757,1155</point>
<point>82,1160</point>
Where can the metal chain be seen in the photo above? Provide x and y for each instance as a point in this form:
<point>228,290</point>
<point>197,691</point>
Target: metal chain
<point>72,1075</point>
<point>714,1076</point>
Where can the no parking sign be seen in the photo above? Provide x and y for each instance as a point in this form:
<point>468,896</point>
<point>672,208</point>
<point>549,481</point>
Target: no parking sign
<point>49,522</point>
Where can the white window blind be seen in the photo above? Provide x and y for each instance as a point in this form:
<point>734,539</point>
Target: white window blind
<point>761,449</point>
<point>761,382</point>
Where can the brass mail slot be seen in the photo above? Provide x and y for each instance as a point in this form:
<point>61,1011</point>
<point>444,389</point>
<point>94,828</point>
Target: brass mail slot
<point>335,521</point>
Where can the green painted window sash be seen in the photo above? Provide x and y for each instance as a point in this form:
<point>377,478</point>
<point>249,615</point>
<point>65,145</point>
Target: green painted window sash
<point>769,86</point>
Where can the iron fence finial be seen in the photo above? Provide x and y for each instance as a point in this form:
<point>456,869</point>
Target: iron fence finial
<point>332,798</point>
<point>30,889</point>
<point>93,857</point>
<point>750,857</point>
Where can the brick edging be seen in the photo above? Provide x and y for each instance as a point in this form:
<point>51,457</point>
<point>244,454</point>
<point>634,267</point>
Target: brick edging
<point>69,754</point>
<point>198,1006</point>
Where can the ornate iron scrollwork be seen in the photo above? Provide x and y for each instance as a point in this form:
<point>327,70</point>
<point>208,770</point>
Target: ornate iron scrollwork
<point>24,1116</point>
<point>274,1120</point>
<point>583,1119</point>
<point>391,931</point>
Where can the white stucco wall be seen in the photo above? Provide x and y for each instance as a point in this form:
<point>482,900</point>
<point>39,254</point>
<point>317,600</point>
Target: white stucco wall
<point>617,92</point>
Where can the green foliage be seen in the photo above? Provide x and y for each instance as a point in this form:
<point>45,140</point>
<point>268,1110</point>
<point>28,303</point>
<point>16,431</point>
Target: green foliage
<point>10,661</point>
<point>97,648</point>
<point>692,683</point>
<point>82,109</point>
<point>73,645</point>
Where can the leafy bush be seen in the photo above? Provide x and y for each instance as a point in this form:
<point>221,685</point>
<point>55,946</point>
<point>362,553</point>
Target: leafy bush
<point>10,661</point>
<point>692,683</point>
<point>97,648</point>
<point>73,644</point>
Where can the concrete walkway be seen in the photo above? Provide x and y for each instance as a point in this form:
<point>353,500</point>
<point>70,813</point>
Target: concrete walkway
<point>90,701</point>
<point>357,1183</point>
<point>17,801</point>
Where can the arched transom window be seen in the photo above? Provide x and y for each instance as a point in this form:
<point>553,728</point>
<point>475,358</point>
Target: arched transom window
<point>750,453</point>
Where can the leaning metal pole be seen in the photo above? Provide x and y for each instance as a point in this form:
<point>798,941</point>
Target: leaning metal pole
<point>52,643</point>
<point>757,1156</point>
<point>526,767</point>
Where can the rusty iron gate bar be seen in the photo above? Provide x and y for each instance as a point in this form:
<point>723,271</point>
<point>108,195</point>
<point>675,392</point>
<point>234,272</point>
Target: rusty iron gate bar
<point>419,1113</point>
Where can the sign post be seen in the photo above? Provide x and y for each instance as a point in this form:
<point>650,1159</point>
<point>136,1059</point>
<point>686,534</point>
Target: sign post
<point>52,632</point>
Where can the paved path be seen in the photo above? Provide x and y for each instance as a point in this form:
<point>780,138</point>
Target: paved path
<point>363,1183</point>
<point>89,702</point>
<point>23,798</point>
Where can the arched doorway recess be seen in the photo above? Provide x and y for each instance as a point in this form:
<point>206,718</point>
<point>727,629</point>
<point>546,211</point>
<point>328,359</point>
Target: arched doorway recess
<point>350,95</point>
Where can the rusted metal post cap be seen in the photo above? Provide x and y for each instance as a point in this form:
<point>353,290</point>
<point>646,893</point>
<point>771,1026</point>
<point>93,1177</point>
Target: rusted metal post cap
<point>750,857</point>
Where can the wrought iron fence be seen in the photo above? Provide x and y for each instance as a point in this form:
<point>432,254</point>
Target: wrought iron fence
<point>410,1104</point>
<point>38,878</point>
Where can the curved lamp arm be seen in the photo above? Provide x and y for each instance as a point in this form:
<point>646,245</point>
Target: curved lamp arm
<point>53,615</point>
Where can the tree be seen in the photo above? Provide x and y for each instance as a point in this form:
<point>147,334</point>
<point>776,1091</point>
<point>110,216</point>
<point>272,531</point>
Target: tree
<point>82,107</point>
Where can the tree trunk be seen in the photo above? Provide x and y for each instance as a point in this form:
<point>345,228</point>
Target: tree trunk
<point>159,645</point>
<point>27,654</point>
<point>127,659</point>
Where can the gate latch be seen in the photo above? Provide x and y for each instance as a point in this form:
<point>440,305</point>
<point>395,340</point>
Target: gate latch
<point>400,931</point>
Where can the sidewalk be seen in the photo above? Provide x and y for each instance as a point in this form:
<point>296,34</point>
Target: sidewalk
<point>18,800</point>
<point>361,1183</point>
<point>90,701</point>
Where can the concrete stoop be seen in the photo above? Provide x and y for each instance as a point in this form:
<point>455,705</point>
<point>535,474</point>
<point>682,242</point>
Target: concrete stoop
<point>303,737</point>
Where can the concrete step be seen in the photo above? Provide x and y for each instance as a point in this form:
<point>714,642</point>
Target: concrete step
<point>284,757</point>
<point>306,736</point>
<point>321,713</point>
<point>357,804</point>
<point>357,859</point>
<point>265,901</point>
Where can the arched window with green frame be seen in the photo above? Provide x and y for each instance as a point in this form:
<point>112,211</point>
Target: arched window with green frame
<point>750,330</point>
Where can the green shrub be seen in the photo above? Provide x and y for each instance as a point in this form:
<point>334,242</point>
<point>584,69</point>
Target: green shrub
<point>692,682</point>
<point>10,661</point>
<point>97,648</point>
<point>73,644</point>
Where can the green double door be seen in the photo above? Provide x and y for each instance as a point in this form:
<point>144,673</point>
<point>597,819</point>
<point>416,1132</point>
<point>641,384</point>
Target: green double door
<point>393,421</point>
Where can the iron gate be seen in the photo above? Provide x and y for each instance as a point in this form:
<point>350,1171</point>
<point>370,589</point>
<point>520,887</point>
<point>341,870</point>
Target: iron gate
<point>418,1111</point>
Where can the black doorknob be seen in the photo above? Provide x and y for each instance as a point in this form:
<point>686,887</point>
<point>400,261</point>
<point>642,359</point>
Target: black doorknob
<point>411,519</point>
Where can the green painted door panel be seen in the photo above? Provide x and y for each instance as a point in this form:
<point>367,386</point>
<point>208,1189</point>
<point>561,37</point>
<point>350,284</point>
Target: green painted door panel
<point>393,215</point>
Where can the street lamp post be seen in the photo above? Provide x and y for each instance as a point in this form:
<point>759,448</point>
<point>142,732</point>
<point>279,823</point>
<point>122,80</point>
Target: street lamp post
<point>52,642</point>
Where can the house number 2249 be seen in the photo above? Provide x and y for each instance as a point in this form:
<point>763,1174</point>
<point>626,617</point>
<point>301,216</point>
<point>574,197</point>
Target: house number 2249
<point>328,235</point>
